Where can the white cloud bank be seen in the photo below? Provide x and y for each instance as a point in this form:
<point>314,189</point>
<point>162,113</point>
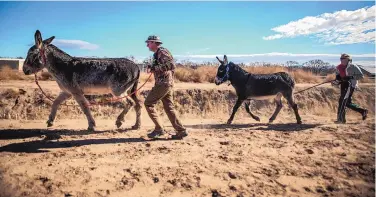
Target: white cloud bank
<point>277,57</point>
<point>75,44</point>
<point>341,27</point>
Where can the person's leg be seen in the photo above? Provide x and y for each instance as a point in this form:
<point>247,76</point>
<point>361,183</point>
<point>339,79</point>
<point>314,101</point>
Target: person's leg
<point>354,106</point>
<point>169,108</point>
<point>341,114</point>
<point>156,93</point>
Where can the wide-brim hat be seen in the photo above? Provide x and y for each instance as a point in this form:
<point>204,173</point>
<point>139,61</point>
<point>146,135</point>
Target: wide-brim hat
<point>154,38</point>
<point>345,56</point>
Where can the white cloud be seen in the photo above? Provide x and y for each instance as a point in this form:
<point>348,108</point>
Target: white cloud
<point>341,27</point>
<point>273,54</point>
<point>280,58</point>
<point>197,51</point>
<point>75,44</point>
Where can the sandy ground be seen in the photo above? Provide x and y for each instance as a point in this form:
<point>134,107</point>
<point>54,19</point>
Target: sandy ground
<point>318,158</point>
<point>247,158</point>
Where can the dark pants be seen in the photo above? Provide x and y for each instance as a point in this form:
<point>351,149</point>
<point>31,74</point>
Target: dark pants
<point>346,101</point>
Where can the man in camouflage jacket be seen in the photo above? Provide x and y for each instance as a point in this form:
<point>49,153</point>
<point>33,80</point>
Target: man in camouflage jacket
<point>163,68</point>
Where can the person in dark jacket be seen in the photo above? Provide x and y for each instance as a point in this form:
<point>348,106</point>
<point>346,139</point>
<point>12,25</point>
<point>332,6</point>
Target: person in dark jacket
<point>347,76</point>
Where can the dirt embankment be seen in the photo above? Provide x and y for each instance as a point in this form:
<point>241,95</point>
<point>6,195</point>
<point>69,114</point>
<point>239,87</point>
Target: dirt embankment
<point>247,158</point>
<point>195,102</point>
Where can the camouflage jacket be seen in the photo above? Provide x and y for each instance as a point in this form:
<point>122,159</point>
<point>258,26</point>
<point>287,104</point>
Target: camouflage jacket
<point>163,67</point>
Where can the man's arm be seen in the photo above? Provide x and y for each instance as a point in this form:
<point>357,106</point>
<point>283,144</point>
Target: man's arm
<point>166,61</point>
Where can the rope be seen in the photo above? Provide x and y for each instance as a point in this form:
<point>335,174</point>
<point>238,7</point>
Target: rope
<point>95,103</point>
<point>313,86</point>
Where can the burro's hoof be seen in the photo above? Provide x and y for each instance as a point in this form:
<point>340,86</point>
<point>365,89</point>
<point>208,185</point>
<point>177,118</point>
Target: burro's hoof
<point>135,127</point>
<point>299,122</point>
<point>49,124</point>
<point>118,124</point>
<point>90,129</point>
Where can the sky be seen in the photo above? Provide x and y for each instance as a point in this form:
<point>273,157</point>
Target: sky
<point>196,31</point>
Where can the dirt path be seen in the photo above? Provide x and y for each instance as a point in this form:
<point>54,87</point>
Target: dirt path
<point>318,158</point>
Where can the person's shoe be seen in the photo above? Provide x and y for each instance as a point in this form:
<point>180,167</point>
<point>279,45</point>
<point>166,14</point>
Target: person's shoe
<point>364,114</point>
<point>339,122</point>
<point>179,135</point>
<point>156,133</point>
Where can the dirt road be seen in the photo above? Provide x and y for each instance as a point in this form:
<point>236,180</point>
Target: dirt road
<point>318,158</point>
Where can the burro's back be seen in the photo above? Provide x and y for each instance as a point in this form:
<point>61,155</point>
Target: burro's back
<point>104,76</point>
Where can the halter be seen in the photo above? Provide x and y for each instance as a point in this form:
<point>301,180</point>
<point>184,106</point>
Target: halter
<point>227,74</point>
<point>41,52</point>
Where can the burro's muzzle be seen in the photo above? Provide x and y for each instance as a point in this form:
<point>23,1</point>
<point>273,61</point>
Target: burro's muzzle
<point>218,81</point>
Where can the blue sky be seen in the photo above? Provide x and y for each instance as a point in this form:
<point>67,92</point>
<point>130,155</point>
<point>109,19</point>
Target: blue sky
<point>196,31</point>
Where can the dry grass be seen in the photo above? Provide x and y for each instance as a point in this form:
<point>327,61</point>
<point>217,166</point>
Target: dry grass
<point>207,74</point>
<point>44,76</point>
<point>367,80</point>
<point>265,70</point>
<point>7,73</point>
<point>144,77</point>
<point>201,74</point>
<point>9,94</point>
<point>301,76</point>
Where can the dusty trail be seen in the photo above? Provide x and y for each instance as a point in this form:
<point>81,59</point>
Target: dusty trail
<point>247,158</point>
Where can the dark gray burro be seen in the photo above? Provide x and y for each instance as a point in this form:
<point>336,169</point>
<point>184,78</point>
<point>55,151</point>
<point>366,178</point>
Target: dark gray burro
<point>85,76</point>
<point>250,86</point>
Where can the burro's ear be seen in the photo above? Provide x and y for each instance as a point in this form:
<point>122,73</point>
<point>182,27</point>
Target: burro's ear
<point>38,39</point>
<point>225,59</point>
<point>49,40</point>
<point>219,60</point>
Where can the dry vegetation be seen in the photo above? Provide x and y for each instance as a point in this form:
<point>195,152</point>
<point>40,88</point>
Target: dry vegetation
<point>200,74</point>
<point>7,73</point>
<point>206,74</point>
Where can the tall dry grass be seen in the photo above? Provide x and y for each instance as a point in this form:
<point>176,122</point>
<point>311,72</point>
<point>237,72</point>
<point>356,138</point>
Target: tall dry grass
<point>208,73</point>
<point>200,74</point>
<point>299,75</point>
<point>7,73</point>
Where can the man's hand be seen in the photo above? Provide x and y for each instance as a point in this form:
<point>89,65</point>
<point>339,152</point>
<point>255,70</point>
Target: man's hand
<point>347,78</point>
<point>150,69</point>
<point>335,83</point>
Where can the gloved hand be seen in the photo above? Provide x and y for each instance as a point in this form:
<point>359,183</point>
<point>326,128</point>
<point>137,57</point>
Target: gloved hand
<point>338,78</point>
<point>150,69</point>
<point>347,78</point>
<point>335,83</point>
